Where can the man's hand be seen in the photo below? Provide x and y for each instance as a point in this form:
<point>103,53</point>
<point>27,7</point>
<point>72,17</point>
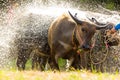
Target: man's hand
<point>112,31</point>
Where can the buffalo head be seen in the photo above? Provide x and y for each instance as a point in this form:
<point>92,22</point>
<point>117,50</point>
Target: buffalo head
<point>85,31</point>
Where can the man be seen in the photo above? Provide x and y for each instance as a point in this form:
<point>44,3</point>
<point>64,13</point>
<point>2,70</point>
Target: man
<point>114,29</point>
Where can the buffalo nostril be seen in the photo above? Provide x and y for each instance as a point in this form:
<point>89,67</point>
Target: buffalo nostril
<point>86,47</point>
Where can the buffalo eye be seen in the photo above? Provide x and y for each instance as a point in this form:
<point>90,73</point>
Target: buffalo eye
<point>83,30</point>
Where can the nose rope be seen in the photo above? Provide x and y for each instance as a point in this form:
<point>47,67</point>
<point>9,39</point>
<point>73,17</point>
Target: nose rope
<point>76,38</point>
<point>93,44</point>
<point>106,42</point>
<point>79,37</point>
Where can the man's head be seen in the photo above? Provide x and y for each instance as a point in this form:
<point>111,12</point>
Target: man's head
<point>114,29</point>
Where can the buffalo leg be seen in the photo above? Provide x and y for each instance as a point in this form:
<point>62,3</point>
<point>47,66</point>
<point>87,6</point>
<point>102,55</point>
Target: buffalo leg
<point>83,58</point>
<point>76,62</point>
<point>35,62</point>
<point>43,63</point>
<point>23,56</point>
<point>39,62</point>
<point>69,63</point>
<point>55,61</point>
<point>53,64</point>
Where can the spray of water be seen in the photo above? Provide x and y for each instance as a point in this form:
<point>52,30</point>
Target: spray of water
<point>17,21</point>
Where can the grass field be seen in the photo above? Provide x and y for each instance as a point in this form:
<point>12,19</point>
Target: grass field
<point>28,74</point>
<point>51,75</point>
<point>14,74</point>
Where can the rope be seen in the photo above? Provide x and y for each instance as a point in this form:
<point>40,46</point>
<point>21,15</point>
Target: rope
<point>99,61</point>
<point>79,36</point>
<point>93,62</point>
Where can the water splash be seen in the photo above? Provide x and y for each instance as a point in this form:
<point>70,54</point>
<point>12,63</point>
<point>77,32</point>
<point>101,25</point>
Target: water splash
<point>17,21</point>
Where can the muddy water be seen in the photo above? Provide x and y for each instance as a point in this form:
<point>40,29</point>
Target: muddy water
<point>35,16</point>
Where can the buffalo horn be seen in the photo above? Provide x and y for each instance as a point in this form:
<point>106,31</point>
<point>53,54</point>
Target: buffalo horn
<point>96,22</point>
<point>98,27</point>
<point>74,18</point>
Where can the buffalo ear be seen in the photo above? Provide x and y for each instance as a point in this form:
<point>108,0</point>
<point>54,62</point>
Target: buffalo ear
<point>75,18</point>
<point>99,28</point>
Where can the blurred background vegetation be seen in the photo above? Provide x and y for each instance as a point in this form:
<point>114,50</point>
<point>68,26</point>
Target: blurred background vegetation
<point>109,4</point>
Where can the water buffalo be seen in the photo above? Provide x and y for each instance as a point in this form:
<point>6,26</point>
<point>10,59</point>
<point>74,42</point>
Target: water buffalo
<point>67,34</point>
<point>35,47</point>
<point>32,41</point>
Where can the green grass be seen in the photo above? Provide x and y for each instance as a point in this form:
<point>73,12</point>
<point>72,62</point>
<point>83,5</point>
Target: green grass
<point>12,65</point>
<point>51,75</point>
<point>110,6</point>
<point>14,74</point>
